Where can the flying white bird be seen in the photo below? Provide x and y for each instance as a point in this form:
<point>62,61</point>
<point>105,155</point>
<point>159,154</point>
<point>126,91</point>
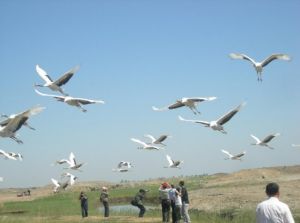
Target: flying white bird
<point>7,155</point>
<point>71,161</point>
<point>16,155</point>
<point>123,166</point>
<point>10,128</point>
<point>234,157</point>
<point>8,118</point>
<point>265,141</point>
<point>72,178</point>
<point>191,103</point>
<point>159,140</point>
<point>217,124</point>
<point>145,145</point>
<point>295,145</point>
<point>259,65</point>
<point>173,163</point>
<point>56,185</point>
<point>77,102</point>
<point>55,85</point>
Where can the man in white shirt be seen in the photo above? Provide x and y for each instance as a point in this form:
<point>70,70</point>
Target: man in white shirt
<point>272,210</point>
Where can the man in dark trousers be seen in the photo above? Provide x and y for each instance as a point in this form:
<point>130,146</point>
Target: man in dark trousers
<point>84,204</point>
<point>104,200</point>
<point>138,201</point>
<point>185,203</point>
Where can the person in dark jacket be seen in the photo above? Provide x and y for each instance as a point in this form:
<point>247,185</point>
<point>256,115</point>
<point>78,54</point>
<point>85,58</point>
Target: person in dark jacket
<point>185,203</point>
<point>84,204</point>
<point>104,200</point>
<point>138,201</point>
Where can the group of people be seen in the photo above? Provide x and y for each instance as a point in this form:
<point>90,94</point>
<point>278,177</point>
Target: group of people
<point>176,199</point>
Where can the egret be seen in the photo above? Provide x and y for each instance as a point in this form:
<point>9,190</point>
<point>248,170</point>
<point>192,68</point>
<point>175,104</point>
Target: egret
<point>191,103</point>
<point>10,128</point>
<point>77,102</point>
<point>72,178</point>
<point>145,145</point>
<point>159,140</point>
<point>259,65</point>
<point>233,157</point>
<point>265,141</point>
<point>217,124</point>
<point>173,163</point>
<point>55,85</point>
<point>16,155</point>
<point>71,161</point>
<point>7,155</point>
<point>123,166</point>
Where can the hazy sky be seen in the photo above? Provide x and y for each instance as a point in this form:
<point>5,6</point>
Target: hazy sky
<point>135,54</point>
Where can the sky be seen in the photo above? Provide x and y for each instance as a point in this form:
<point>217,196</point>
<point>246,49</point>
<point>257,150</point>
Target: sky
<point>137,54</point>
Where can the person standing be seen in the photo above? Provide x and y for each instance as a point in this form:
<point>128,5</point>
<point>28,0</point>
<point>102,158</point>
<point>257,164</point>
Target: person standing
<point>185,203</point>
<point>104,200</point>
<point>84,204</point>
<point>178,205</point>
<point>172,196</point>
<point>165,201</point>
<point>272,210</point>
<point>138,201</point>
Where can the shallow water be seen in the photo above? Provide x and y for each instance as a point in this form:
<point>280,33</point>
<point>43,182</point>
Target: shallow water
<point>125,208</point>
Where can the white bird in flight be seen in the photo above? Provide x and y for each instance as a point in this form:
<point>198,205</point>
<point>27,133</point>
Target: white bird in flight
<point>234,157</point>
<point>173,163</point>
<point>145,145</point>
<point>55,85</point>
<point>71,161</point>
<point>158,140</point>
<point>16,155</point>
<point>123,166</point>
<point>9,129</point>
<point>7,155</point>
<point>72,178</point>
<point>265,141</point>
<point>217,124</point>
<point>259,65</point>
<point>77,102</point>
<point>191,103</point>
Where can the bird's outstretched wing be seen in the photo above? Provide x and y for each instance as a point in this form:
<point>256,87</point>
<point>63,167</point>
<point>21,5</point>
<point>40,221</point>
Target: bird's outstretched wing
<point>225,118</point>
<point>43,74</point>
<point>194,121</point>
<point>270,137</point>
<point>58,97</point>
<point>275,57</point>
<point>66,76</point>
<point>138,141</point>
<point>227,153</point>
<point>255,138</point>
<point>72,159</point>
<point>159,109</point>
<point>240,154</point>
<point>177,104</point>
<point>242,57</point>
<point>169,160</point>
<point>87,101</point>
<point>200,99</point>
<point>162,138</point>
<point>55,182</point>
<point>150,137</point>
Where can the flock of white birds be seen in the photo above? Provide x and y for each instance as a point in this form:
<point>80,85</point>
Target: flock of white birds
<point>12,123</point>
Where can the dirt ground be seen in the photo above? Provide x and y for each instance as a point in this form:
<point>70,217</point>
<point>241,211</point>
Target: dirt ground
<point>245,189</point>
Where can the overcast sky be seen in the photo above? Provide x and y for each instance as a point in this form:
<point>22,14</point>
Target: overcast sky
<point>133,55</point>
